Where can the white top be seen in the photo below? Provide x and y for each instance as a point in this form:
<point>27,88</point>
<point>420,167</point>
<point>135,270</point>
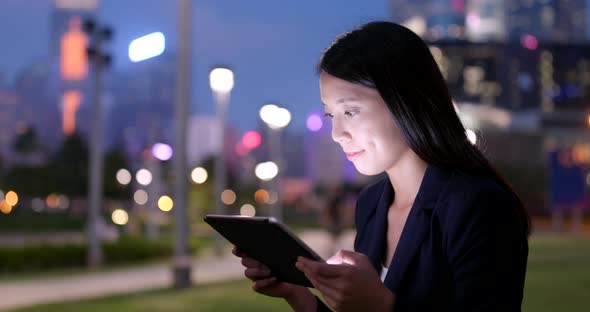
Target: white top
<point>383,272</point>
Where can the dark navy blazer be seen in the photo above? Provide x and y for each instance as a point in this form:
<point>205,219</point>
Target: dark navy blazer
<point>463,248</point>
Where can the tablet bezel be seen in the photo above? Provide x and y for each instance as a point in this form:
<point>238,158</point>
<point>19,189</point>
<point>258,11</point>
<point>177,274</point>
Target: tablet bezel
<point>286,270</point>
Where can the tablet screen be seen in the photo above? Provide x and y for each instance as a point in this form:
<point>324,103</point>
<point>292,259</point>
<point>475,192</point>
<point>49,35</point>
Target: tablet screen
<point>268,241</point>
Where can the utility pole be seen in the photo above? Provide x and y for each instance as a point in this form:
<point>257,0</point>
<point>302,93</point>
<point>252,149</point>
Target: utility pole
<point>99,61</point>
<point>182,260</point>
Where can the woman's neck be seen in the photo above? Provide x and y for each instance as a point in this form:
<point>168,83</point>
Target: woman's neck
<point>406,177</point>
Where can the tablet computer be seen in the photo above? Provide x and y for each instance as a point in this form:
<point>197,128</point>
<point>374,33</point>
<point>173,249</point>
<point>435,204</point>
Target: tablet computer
<point>268,241</point>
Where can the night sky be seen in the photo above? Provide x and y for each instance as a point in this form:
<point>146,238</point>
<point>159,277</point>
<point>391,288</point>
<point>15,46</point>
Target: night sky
<point>272,46</point>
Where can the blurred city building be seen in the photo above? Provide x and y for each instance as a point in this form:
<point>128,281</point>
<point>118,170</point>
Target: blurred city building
<point>9,100</point>
<point>519,72</point>
<point>549,20</point>
<point>68,43</point>
<point>516,54</point>
<point>495,20</point>
<point>142,111</point>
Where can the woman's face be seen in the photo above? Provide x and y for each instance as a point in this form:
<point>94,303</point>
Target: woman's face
<point>362,124</point>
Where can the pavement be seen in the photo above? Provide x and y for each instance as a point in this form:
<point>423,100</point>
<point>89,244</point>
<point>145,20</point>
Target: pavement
<point>207,268</point>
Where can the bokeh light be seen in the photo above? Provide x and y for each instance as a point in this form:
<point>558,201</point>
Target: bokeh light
<point>63,202</point>
<point>123,176</point>
<point>241,150</point>
<point>275,117</point>
<point>314,123</point>
<point>162,151</point>
<point>282,118</point>
<point>52,200</point>
<point>37,204</point>
<point>146,47</point>
<point>11,198</point>
<point>143,176</point>
<point>120,217</point>
<point>266,113</point>
<point>140,197</point>
<point>5,207</point>
<point>199,175</point>
<point>228,197</point>
<point>266,171</point>
<point>247,210</point>
<point>251,139</point>
<point>165,203</point>
<point>273,197</point>
<point>221,80</point>
<point>529,41</point>
<point>261,196</point>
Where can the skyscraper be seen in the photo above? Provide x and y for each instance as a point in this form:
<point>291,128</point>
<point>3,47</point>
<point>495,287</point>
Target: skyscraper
<point>495,20</point>
<point>63,12</point>
<point>432,19</point>
<point>522,54</point>
<point>549,20</point>
<point>68,43</point>
<point>485,20</point>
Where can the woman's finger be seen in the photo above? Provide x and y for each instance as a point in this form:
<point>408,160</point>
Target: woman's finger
<point>251,263</point>
<point>317,268</point>
<point>255,274</point>
<point>322,285</point>
<point>260,285</point>
<point>237,252</point>
<point>329,293</point>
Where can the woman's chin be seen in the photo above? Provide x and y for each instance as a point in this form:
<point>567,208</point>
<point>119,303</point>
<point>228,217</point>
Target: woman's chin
<point>367,171</point>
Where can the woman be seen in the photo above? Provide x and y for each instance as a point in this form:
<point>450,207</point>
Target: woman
<point>441,231</point>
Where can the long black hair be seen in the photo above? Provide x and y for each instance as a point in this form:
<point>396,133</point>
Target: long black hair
<point>396,62</point>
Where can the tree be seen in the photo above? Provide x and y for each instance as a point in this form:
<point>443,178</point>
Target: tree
<point>69,166</point>
<point>26,142</point>
<point>114,161</point>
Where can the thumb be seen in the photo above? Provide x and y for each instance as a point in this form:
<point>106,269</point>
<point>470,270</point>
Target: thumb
<point>349,257</point>
<point>343,256</point>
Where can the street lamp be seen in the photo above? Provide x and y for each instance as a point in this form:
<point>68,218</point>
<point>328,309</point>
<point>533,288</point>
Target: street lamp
<point>222,82</point>
<point>100,61</point>
<point>276,118</point>
<point>146,47</point>
<point>182,262</point>
<point>266,171</point>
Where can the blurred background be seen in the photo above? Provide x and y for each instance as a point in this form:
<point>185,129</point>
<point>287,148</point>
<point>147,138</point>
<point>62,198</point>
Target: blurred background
<point>122,123</point>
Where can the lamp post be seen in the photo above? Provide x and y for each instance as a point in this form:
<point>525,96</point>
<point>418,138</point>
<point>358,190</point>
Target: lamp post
<point>95,188</point>
<point>222,82</point>
<point>182,261</point>
<point>276,118</point>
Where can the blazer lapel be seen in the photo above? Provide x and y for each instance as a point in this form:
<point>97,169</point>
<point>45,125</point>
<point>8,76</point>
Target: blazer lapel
<point>417,225</point>
<point>375,250</point>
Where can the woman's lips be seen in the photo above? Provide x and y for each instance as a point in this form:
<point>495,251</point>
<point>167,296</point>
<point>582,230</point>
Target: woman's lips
<point>354,155</point>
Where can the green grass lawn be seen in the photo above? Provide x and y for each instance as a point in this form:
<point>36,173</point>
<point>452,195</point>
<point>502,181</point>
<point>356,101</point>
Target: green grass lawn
<point>558,279</point>
<point>227,296</point>
<point>558,274</point>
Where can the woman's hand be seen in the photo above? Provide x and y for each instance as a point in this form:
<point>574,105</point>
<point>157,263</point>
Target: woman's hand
<point>348,282</point>
<point>299,297</point>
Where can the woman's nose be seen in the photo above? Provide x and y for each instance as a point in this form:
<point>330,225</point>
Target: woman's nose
<point>339,132</point>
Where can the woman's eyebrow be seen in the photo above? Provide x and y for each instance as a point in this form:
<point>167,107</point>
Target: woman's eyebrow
<point>347,99</point>
<point>344,100</point>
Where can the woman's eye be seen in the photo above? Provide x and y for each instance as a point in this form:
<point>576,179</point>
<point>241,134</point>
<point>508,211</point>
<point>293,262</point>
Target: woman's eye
<point>349,113</point>
<point>328,115</point>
